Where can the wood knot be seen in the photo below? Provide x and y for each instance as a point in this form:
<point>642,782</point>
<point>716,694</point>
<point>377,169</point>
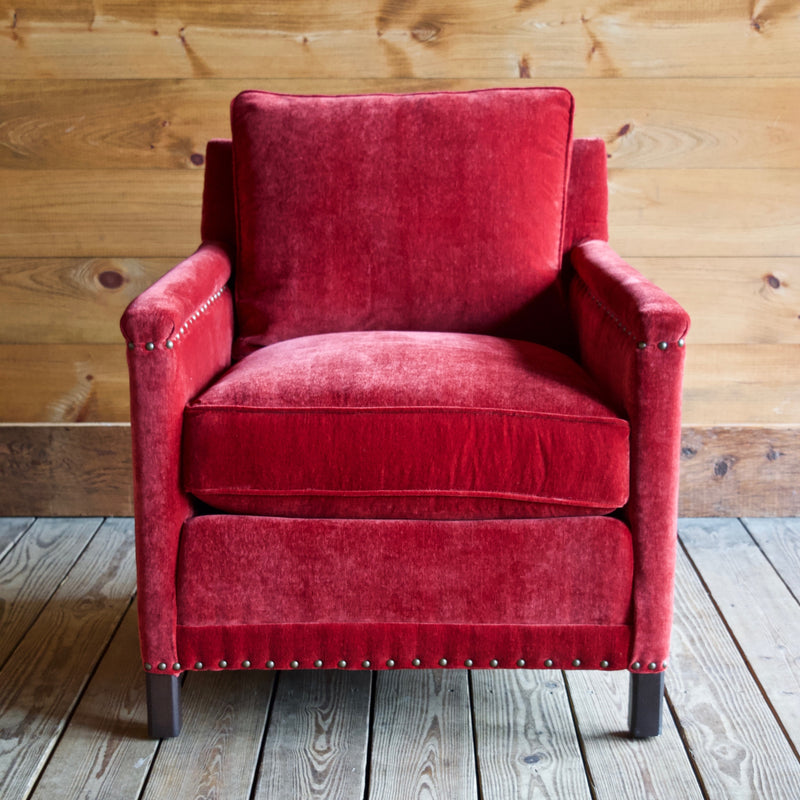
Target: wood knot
<point>723,466</point>
<point>524,68</point>
<point>773,281</point>
<point>773,454</point>
<point>688,452</point>
<point>110,279</point>
<point>196,159</point>
<point>426,31</point>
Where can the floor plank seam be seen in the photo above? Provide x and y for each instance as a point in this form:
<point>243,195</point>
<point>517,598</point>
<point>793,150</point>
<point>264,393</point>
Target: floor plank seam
<point>579,736</point>
<point>44,605</point>
<point>260,766</point>
<point>71,712</point>
<point>769,560</point>
<point>478,770</point>
<point>686,746</point>
<point>370,727</point>
<point>745,660</point>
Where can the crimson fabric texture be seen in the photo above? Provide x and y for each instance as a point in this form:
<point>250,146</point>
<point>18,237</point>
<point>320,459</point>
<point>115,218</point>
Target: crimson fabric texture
<point>587,194</point>
<point>440,211</point>
<point>405,645</point>
<point>162,380</point>
<point>284,590</point>
<point>372,241</point>
<point>631,338</point>
<point>218,223</point>
<point>417,424</point>
<point>249,570</point>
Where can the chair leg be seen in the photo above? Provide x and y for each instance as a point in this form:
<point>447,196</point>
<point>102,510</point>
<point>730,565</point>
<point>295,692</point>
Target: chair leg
<point>645,702</point>
<point>163,706</point>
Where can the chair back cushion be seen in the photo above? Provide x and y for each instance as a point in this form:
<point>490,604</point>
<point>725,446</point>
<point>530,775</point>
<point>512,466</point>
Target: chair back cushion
<point>439,211</point>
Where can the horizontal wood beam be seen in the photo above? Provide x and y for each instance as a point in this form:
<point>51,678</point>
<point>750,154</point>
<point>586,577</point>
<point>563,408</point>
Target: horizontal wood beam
<point>164,124</point>
<point>85,470</point>
<point>374,38</point>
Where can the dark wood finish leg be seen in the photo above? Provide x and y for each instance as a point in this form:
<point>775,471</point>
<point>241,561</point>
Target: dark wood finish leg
<point>163,706</point>
<point>645,702</point>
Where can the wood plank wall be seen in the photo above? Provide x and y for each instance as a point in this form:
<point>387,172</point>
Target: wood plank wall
<point>105,108</point>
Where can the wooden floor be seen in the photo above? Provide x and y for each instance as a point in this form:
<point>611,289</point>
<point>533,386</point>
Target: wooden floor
<point>72,708</point>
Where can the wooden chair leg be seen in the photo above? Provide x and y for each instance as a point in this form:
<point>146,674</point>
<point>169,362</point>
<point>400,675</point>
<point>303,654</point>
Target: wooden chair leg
<point>645,702</point>
<point>163,706</point>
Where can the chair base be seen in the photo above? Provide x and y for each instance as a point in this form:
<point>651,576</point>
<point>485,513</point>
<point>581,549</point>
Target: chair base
<point>163,706</point>
<point>645,703</point>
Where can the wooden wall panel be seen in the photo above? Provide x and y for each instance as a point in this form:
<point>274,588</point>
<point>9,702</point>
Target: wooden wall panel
<point>71,300</point>
<point>733,300</point>
<point>64,383</point>
<point>123,213</point>
<point>651,123</point>
<point>397,38</point>
<point>106,105</point>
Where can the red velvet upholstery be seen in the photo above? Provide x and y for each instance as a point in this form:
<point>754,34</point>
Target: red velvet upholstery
<point>460,194</point>
<point>400,437</point>
<point>411,418</point>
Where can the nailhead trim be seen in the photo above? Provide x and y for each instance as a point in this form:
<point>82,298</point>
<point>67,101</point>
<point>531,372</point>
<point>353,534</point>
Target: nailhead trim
<point>170,343</point>
<point>391,663</point>
<point>610,314</point>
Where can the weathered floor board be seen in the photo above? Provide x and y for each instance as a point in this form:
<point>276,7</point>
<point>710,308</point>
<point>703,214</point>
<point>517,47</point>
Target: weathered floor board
<point>618,766</point>
<point>317,741</point>
<point>526,745</point>
<point>73,720</point>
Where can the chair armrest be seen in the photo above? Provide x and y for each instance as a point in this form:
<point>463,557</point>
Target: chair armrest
<point>631,340</point>
<point>179,334</point>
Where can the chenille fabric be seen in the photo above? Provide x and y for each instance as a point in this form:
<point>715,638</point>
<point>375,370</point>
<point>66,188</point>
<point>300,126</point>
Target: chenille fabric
<point>439,211</point>
<point>412,421</point>
<point>405,356</point>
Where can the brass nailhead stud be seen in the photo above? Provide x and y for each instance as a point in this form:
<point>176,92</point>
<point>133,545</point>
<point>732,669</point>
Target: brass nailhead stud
<point>246,664</point>
<point>469,662</point>
<point>664,665</point>
<point>416,662</point>
<point>342,664</point>
<point>294,664</point>
<point>576,662</point>
<point>148,666</point>
<point>150,346</point>
<point>494,662</point>
<point>317,663</point>
<point>681,342</point>
<point>636,665</point>
<point>662,345</point>
<point>390,663</point>
<point>223,663</point>
<point>162,665</point>
<point>270,665</point>
<point>652,665</point>
<point>548,662</point>
<point>642,345</point>
<point>169,344</point>
<point>198,665</point>
<point>131,345</point>
<point>176,666</point>
<point>366,664</point>
<point>442,662</point>
<point>604,664</point>
<point>521,662</point>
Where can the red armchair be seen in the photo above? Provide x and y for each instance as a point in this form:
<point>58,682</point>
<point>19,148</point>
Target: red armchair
<point>404,407</point>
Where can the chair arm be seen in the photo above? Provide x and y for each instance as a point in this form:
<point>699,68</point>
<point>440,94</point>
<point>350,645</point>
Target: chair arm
<point>631,340</point>
<point>179,334</point>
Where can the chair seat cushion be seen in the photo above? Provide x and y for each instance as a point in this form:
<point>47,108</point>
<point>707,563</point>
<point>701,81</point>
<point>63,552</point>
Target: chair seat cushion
<point>389,424</point>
